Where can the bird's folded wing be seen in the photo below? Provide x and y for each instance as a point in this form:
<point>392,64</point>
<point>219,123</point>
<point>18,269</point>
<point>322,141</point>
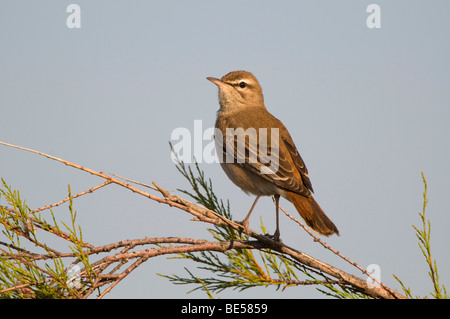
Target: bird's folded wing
<point>298,162</point>
<point>279,164</point>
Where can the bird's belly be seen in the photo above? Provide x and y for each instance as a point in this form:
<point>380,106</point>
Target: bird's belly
<point>250,182</point>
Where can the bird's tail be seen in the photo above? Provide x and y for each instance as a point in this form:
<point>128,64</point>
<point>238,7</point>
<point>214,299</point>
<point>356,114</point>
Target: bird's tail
<point>312,214</point>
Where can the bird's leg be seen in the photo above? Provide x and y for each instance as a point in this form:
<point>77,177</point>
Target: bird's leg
<point>245,222</point>
<point>276,235</point>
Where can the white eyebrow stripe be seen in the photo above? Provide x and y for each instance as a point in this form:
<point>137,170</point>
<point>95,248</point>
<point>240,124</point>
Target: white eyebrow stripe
<point>236,82</point>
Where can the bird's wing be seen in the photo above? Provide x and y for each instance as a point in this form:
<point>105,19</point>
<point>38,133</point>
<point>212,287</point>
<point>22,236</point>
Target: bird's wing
<point>279,163</point>
<point>298,162</point>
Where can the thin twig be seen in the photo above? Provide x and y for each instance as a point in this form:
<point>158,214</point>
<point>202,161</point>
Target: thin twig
<point>72,197</point>
<point>316,239</point>
<point>134,182</point>
<point>123,275</point>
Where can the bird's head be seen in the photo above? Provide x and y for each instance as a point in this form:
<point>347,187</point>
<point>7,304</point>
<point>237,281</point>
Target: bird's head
<point>237,89</point>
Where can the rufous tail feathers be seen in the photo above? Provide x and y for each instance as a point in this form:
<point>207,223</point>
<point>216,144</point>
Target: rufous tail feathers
<point>312,214</point>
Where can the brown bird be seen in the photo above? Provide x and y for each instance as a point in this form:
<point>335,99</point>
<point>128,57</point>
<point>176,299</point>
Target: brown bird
<point>258,154</point>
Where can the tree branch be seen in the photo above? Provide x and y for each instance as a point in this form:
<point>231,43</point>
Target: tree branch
<point>93,271</point>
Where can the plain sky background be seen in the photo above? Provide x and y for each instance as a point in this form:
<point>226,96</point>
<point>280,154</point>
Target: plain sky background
<point>369,110</point>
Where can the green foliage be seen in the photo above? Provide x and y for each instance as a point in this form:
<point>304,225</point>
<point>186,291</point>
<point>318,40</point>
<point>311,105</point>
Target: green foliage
<point>27,274</point>
<point>423,234</point>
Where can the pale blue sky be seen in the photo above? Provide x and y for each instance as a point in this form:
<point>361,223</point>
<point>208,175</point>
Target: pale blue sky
<point>369,109</point>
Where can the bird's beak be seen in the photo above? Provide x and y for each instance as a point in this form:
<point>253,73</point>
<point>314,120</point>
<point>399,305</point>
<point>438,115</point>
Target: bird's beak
<point>217,82</point>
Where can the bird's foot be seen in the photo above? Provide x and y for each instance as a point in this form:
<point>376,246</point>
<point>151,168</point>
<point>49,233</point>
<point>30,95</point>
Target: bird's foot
<point>275,237</point>
<point>245,227</point>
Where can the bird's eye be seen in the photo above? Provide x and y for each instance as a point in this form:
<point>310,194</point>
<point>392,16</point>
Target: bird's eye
<point>242,84</point>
